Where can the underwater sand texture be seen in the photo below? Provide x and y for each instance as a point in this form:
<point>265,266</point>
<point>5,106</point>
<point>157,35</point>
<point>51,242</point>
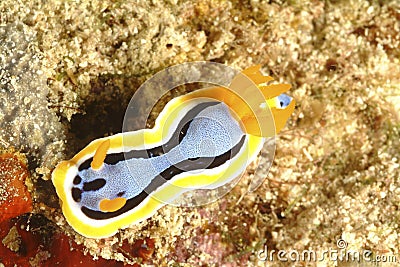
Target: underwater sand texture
<point>68,70</point>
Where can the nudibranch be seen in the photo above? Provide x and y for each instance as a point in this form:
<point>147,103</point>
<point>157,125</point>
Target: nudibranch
<point>201,140</point>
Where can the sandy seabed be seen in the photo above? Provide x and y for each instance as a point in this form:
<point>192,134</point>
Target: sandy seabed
<point>69,68</point>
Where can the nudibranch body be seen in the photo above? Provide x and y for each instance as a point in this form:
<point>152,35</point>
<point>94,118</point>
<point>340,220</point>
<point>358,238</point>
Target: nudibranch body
<point>201,140</point>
